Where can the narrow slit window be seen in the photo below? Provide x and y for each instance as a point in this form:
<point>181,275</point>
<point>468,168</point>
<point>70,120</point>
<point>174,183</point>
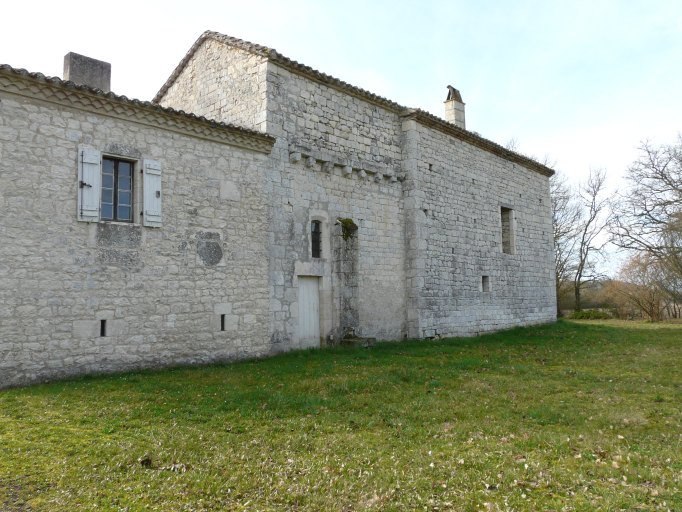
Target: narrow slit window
<point>102,328</point>
<point>316,238</point>
<point>485,283</point>
<point>507,221</point>
<point>222,322</point>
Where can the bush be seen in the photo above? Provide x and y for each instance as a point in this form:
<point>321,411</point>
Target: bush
<point>590,314</point>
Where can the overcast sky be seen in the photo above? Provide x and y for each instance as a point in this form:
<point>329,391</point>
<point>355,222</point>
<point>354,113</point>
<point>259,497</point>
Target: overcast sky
<point>580,81</point>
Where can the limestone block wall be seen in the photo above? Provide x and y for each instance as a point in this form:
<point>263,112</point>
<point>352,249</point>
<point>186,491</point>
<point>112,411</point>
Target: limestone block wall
<point>336,156</point>
<point>307,193</point>
<point>460,280</point>
<point>327,121</point>
<point>223,83</point>
<point>161,291</point>
<point>428,206</point>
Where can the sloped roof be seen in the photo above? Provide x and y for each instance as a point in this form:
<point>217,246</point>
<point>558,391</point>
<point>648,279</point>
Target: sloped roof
<point>274,56</point>
<point>419,115</point>
<point>435,122</point>
<point>89,98</point>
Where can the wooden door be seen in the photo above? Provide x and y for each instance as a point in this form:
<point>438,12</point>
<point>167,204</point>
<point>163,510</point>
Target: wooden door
<point>309,311</point>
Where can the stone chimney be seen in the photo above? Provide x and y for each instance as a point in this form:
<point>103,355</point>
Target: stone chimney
<point>83,70</point>
<point>454,108</point>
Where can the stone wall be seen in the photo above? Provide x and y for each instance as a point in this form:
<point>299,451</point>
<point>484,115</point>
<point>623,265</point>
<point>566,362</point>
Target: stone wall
<point>336,156</point>
<point>428,254</point>
<point>303,194</point>
<point>161,291</point>
<point>328,121</point>
<point>223,83</point>
<point>454,235</point>
<point>454,198</point>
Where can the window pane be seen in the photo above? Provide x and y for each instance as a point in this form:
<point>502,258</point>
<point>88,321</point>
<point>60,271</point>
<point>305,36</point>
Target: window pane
<point>123,182</point>
<point>124,213</point>
<point>107,196</point>
<point>107,180</point>
<point>124,168</point>
<point>116,190</point>
<point>315,232</point>
<point>107,212</point>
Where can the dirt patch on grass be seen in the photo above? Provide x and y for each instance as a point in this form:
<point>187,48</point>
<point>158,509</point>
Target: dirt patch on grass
<point>13,496</point>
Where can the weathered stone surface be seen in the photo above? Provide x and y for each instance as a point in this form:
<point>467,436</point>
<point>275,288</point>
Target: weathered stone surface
<point>87,71</point>
<point>157,288</point>
<point>429,219</point>
<point>126,236</point>
<point>209,248</point>
<point>219,279</point>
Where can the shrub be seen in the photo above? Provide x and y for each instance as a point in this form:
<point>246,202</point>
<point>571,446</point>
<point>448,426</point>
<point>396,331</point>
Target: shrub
<point>590,314</point>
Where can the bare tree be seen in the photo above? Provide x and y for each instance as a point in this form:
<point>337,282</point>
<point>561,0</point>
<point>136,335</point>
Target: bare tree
<point>513,145</point>
<point>648,216</point>
<point>641,279</point>
<point>566,215</point>
<point>591,240</point>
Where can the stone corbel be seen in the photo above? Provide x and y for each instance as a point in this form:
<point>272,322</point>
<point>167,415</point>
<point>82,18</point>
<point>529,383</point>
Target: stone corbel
<point>295,157</point>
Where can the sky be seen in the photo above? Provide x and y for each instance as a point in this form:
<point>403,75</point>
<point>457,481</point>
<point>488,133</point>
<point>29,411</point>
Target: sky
<point>581,83</point>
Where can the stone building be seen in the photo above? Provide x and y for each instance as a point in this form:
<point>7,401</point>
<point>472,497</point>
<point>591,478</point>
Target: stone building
<point>287,210</point>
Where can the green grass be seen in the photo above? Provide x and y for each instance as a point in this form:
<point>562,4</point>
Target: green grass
<point>572,416</point>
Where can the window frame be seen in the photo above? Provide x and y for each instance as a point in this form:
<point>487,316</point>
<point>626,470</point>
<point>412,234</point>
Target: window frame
<point>507,223</point>
<point>116,189</point>
<point>316,238</point>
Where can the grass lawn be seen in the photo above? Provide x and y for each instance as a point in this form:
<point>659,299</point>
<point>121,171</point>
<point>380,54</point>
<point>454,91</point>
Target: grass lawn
<point>572,416</point>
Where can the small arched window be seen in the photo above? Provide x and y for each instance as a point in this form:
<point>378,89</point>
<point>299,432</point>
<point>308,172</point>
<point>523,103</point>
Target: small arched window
<point>316,238</point>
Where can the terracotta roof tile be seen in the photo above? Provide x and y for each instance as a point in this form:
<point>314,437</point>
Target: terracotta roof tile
<point>65,84</point>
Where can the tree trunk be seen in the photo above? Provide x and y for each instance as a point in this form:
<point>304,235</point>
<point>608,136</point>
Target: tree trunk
<point>578,303</point>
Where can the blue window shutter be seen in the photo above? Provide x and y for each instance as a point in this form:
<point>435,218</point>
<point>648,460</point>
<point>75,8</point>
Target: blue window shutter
<point>89,183</point>
<point>151,215</point>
